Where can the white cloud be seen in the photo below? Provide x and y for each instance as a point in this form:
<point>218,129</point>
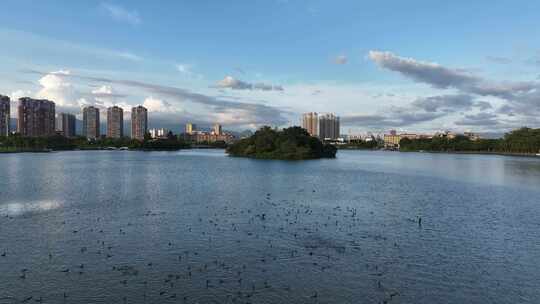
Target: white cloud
<point>230,82</point>
<point>128,56</point>
<point>18,94</point>
<point>121,14</point>
<point>159,105</point>
<point>103,90</point>
<point>184,68</point>
<point>56,88</point>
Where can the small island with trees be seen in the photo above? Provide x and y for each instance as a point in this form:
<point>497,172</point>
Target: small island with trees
<point>292,143</point>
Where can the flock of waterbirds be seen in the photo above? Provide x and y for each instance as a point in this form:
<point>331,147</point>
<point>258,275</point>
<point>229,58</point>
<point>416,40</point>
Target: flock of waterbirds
<point>277,241</point>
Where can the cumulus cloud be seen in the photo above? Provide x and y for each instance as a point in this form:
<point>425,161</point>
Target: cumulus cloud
<point>230,82</point>
<point>15,95</point>
<point>54,86</point>
<point>341,59</point>
<point>121,14</point>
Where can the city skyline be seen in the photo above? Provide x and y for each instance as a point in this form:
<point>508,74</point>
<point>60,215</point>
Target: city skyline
<point>485,79</point>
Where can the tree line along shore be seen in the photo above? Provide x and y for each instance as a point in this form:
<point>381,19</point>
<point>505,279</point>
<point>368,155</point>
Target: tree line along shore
<point>291,143</point>
<point>524,141</point>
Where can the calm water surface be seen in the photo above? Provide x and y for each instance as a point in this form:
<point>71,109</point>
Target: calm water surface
<point>200,227</point>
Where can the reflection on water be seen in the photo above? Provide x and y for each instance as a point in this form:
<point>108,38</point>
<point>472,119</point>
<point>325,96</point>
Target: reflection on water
<point>199,227</point>
<point>17,208</point>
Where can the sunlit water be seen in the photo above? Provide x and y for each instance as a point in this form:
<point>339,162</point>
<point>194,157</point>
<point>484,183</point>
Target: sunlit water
<point>200,227</point>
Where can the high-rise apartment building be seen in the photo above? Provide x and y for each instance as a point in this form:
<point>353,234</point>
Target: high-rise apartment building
<point>329,126</point>
<point>139,122</point>
<point>36,117</point>
<point>4,115</point>
<point>190,128</point>
<point>65,124</point>
<point>115,122</point>
<point>91,122</point>
<point>217,130</point>
<point>310,122</point>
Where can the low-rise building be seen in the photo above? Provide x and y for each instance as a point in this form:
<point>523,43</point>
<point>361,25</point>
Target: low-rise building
<point>158,133</point>
<point>208,137</point>
<point>472,136</point>
<point>391,141</point>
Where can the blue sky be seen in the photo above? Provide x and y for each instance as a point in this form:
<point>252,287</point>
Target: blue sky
<point>411,65</point>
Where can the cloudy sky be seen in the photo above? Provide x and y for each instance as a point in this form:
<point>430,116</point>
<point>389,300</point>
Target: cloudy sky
<point>417,66</point>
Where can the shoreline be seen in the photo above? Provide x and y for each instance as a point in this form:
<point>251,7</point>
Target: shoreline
<point>528,155</point>
<point>533,155</point>
<point>105,149</point>
<point>476,153</point>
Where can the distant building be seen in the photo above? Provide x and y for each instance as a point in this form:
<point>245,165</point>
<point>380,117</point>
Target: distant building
<point>36,117</point>
<point>91,122</point>
<point>409,136</point>
<point>139,122</point>
<point>115,122</point>
<point>329,127</point>
<point>65,124</point>
<point>391,141</point>
<point>310,122</point>
<point>446,134</point>
<point>191,128</point>
<point>4,115</point>
<point>217,129</point>
<point>472,136</point>
<point>158,133</point>
<point>201,137</point>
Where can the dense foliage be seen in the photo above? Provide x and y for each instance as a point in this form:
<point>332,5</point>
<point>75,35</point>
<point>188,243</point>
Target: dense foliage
<point>17,143</point>
<point>292,143</point>
<point>524,140</point>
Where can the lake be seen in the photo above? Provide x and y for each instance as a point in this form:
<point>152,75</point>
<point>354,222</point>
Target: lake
<point>197,226</point>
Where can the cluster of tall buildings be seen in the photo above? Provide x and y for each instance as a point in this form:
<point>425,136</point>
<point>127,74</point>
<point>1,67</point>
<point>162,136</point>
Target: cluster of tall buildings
<point>115,122</point>
<point>324,126</point>
<point>37,118</point>
<point>216,134</point>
